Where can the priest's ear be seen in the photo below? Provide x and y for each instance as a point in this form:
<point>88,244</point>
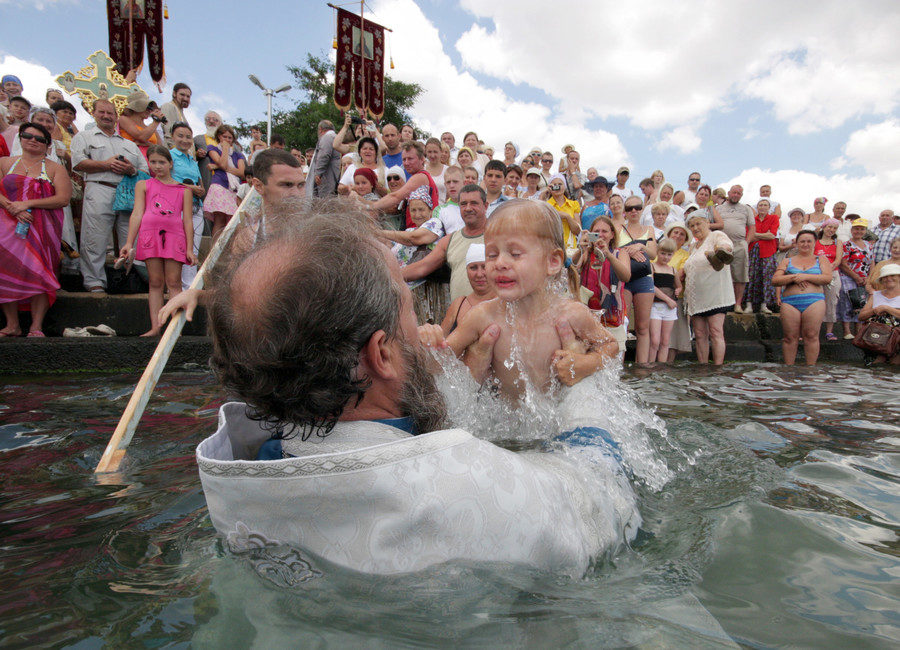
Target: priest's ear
<point>382,357</point>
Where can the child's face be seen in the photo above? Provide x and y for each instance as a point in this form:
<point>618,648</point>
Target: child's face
<point>518,265</point>
<point>362,185</point>
<point>471,177</point>
<point>159,166</point>
<point>419,212</point>
<point>663,257</point>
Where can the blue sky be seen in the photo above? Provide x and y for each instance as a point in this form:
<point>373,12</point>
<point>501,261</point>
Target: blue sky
<point>800,94</point>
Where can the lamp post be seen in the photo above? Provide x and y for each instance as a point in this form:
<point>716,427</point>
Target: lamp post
<point>269,93</point>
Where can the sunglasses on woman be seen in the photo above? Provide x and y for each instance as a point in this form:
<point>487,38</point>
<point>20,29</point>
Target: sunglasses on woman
<point>32,136</point>
<point>393,178</point>
<point>631,208</point>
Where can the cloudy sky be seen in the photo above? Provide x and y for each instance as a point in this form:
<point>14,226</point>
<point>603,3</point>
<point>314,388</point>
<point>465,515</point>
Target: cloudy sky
<point>800,94</point>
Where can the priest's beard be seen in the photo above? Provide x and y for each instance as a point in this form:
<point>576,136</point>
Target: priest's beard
<point>420,398</point>
<point>211,131</point>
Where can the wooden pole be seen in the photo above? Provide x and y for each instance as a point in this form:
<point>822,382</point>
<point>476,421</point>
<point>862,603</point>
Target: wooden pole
<point>362,56</point>
<point>121,437</point>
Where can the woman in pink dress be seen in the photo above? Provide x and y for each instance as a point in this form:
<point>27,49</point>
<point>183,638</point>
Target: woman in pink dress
<point>162,224</point>
<point>33,192</point>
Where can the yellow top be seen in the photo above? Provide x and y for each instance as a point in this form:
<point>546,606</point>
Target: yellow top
<point>572,208</point>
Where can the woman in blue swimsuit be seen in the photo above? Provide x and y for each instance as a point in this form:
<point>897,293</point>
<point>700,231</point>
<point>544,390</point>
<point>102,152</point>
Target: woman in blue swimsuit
<point>802,299</point>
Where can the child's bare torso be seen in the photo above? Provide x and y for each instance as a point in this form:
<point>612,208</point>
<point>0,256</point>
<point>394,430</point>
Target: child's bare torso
<point>524,349</point>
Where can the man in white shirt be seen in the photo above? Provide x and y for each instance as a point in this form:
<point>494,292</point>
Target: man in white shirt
<point>173,110</point>
<point>619,188</point>
<point>103,157</point>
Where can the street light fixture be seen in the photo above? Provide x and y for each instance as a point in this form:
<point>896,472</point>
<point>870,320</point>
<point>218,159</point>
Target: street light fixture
<point>269,93</point>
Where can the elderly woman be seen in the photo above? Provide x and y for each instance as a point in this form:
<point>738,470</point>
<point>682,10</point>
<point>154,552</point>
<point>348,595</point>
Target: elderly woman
<point>802,301</point>
<point>33,191</point>
<point>481,289</point>
<point>760,293</point>
<point>854,269</point>
<point>873,283</point>
<point>369,158</point>
<point>227,167</point>
<point>132,125</point>
<point>510,153</point>
<point>708,293</point>
<point>665,194</point>
<point>884,305</point>
<point>832,248</point>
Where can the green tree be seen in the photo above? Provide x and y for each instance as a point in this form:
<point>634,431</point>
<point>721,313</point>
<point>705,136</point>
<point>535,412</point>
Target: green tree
<point>315,81</point>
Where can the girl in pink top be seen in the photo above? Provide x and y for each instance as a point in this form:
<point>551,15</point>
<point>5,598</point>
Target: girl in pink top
<point>161,222</point>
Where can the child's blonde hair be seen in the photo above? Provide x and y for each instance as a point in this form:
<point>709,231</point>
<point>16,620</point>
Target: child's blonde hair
<point>667,246</point>
<point>538,219</point>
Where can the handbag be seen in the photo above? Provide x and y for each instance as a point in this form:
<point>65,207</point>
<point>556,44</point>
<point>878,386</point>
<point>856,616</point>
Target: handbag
<point>878,337</point>
<point>858,297</point>
<point>124,198</point>
<point>119,281</point>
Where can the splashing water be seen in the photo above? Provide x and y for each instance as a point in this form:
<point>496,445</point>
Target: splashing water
<point>600,401</point>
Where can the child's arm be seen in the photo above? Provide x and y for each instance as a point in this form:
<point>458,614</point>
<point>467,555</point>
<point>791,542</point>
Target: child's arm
<point>187,218</point>
<point>473,340</point>
<point>137,213</point>
<point>578,325</point>
<point>469,329</point>
<point>678,285</point>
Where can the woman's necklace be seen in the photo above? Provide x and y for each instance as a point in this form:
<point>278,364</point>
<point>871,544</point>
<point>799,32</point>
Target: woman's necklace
<point>29,169</point>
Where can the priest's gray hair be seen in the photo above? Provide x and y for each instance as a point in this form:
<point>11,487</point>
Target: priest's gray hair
<point>288,319</point>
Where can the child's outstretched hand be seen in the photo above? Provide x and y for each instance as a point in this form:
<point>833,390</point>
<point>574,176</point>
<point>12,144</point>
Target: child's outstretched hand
<point>432,336</point>
<point>565,362</point>
<point>192,259</point>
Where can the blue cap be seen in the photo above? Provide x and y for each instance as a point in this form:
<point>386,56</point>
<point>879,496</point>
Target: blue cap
<point>10,77</point>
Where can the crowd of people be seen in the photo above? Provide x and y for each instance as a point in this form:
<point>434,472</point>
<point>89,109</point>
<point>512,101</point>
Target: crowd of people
<point>662,264</point>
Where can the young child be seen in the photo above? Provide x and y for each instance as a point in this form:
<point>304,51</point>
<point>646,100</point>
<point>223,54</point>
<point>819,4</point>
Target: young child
<point>161,223</point>
<point>663,312</point>
<point>364,182</point>
<point>525,259</point>
<point>420,211</point>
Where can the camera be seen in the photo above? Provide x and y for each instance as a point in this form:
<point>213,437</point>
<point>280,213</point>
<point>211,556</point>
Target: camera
<point>593,237</point>
<point>355,119</point>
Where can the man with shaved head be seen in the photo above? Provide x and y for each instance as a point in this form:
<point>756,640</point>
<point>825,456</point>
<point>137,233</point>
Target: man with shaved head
<point>336,447</point>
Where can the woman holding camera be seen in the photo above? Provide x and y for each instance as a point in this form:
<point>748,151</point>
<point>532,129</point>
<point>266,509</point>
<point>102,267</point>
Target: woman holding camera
<point>604,270</point>
<point>131,121</point>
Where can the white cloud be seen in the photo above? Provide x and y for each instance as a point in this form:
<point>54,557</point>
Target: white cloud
<point>454,100</point>
<point>682,138</point>
<point>875,148</point>
<point>670,64</point>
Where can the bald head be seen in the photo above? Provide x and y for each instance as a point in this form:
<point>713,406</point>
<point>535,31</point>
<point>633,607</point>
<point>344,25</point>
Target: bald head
<point>287,328</point>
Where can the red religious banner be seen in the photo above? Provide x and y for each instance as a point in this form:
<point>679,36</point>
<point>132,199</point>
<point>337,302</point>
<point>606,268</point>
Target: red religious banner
<point>131,23</point>
<point>359,70</point>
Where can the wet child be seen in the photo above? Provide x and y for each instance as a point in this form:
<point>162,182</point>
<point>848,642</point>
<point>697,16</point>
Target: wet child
<point>542,334</point>
<point>159,230</point>
<point>664,311</point>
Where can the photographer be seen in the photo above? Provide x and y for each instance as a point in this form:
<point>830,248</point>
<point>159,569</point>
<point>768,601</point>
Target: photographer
<point>132,124</point>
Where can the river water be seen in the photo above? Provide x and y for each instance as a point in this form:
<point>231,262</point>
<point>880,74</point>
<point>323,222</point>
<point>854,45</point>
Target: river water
<point>777,524</point>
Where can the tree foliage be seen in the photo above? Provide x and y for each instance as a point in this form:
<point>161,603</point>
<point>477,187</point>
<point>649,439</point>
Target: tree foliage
<point>315,81</point>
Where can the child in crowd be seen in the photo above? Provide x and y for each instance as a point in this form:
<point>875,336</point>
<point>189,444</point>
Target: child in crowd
<point>420,210</point>
<point>161,223</point>
<point>663,312</point>
<point>364,182</point>
<point>470,176</point>
<point>531,318</point>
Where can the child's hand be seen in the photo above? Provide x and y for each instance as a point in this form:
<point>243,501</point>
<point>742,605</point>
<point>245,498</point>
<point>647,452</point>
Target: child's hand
<point>192,259</point>
<point>432,336</point>
<point>565,361</point>
<point>125,252</point>
<point>671,303</point>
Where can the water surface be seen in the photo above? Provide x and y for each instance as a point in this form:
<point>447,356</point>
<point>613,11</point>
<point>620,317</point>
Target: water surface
<point>779,518</point>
